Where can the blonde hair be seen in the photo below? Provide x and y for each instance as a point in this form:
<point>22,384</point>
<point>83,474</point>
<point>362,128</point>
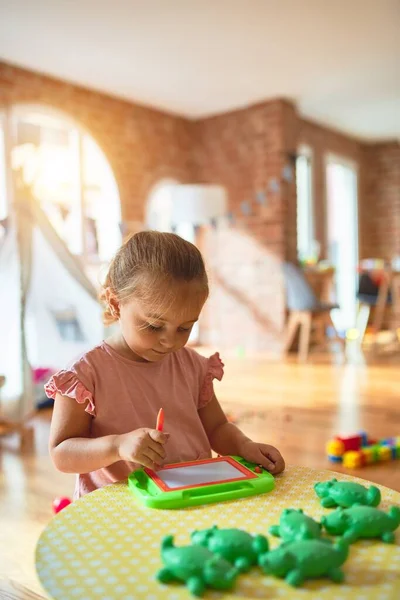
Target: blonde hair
<point>147,265</point>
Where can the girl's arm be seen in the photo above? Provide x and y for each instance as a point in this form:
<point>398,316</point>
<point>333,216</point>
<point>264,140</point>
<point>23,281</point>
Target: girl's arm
<point>74,451</point>
<point>225,438</point>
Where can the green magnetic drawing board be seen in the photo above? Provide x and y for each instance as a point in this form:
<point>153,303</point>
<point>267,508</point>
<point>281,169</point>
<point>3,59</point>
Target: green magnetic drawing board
<point>200,482</point>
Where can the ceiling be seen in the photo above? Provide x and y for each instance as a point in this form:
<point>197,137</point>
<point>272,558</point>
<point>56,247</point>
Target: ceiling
<point>339,60</point>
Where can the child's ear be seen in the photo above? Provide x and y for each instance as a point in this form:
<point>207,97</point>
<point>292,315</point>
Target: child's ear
<point>112,302</point>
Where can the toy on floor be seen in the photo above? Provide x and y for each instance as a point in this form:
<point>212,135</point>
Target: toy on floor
<point>294,526</point>
<point>358,450</point>
<point>234,545</point>
<point>197,566</point>
<point>363,522</point>
<point>60,504</point>
<point>346,493</point>
<point>306,559</point>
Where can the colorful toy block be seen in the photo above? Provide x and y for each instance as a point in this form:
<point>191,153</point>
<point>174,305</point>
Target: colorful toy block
<point>385,453</point>
<point>335,448</point>
<point>352,443</point>
<point>359,450</point>
<point>368,455</point>
<point>353,459</point>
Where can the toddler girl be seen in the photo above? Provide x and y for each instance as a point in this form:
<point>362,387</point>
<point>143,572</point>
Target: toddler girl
<point>106,403</point>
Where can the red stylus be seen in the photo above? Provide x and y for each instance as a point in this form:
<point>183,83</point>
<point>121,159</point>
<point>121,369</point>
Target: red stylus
<point>160,420</point>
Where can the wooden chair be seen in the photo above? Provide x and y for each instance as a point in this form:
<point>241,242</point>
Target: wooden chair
<point>377,298</point>
<point>396,294</point>
<point>368,299</point>
<point>395,290</point>
<point>305,312</point>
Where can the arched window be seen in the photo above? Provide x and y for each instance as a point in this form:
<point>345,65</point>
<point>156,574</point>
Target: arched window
<point>71,179</point>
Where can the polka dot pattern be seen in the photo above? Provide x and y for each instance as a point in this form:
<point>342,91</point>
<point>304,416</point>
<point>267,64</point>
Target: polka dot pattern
<point>106,546</point>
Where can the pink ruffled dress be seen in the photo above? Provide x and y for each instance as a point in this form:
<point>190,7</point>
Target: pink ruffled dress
<point>122,395</point>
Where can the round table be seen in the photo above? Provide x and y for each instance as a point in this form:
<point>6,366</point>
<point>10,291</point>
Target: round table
<point>106,546</point>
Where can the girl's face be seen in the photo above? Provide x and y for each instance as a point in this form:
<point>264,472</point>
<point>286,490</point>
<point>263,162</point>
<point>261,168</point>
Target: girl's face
<point>151,336</point>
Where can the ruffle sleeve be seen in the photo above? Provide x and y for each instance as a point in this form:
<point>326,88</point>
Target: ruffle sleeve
<point>68,384</point>
<point>215,370</point>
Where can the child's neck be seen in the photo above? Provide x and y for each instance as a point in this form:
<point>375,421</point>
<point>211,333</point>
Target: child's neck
<point>118,343</point>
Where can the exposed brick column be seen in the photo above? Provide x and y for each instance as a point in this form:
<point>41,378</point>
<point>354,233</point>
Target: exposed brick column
<point>246,152</point>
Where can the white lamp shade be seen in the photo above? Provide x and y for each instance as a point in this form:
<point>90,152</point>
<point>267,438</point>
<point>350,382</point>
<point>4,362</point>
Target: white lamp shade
<point>197,204</point>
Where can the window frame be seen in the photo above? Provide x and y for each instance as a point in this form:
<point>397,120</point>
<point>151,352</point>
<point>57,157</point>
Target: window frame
<point>306,152</point>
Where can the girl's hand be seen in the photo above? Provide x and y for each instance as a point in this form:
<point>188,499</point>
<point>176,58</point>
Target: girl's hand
<point>261,454</point>
<point>143,446</point>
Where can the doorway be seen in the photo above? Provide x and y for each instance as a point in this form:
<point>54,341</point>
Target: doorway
<point>159,218</point>
<point>342,237</point>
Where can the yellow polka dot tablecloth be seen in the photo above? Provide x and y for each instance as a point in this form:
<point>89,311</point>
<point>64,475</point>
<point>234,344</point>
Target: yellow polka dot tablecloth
<point>106,546</point>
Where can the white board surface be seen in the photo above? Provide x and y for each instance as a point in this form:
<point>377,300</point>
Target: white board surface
<point>205,473</point>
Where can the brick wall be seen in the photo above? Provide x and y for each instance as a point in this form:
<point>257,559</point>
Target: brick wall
<point>381,200</point>
<point>246,151</point>
<point>378,168</point>
<point>141,144</point>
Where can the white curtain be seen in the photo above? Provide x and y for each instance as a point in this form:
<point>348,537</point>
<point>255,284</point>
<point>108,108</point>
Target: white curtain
<point>49,313</point>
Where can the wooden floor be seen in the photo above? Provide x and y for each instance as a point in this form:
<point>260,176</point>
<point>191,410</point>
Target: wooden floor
<point>294,407</point>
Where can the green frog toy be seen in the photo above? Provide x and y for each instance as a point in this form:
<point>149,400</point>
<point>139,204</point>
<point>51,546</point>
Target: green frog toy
<point>294,525</point>
<point>234,545</point>
<point>306,559</point>
<point>346,493</point>
<point>197,566</point>
<point>363,522</point>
